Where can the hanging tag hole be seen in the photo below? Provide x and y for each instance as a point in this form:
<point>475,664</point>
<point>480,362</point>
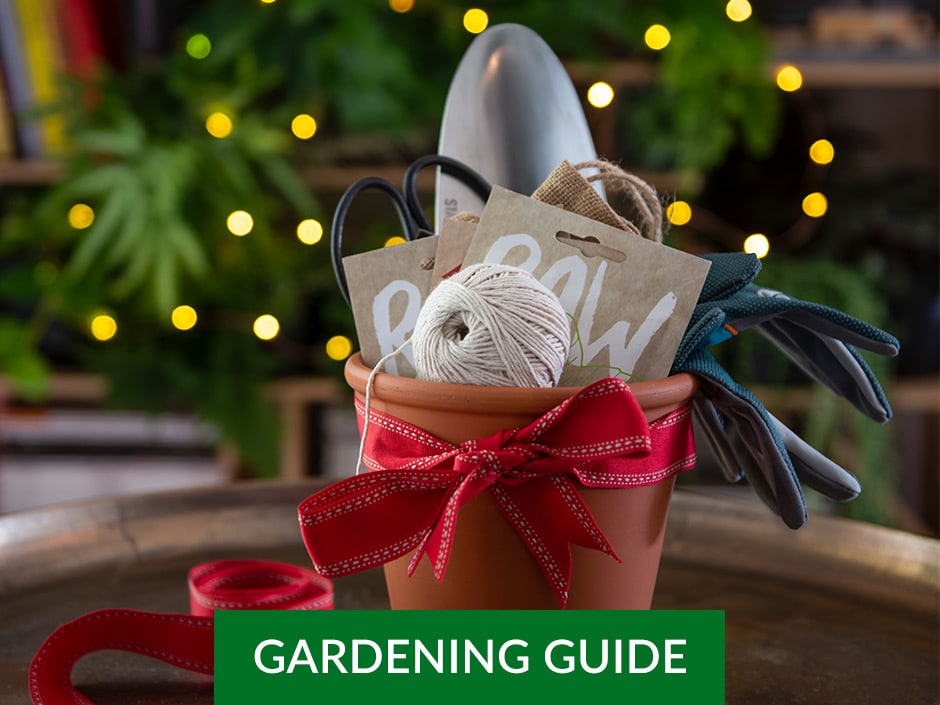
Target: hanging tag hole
<point>590,246</point>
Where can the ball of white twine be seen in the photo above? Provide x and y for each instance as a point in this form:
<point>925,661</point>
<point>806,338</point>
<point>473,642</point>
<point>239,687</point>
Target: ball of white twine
<point>491,325</point>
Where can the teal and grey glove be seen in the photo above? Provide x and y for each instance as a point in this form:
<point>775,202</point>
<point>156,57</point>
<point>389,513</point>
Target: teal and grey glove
<point>747,439</point>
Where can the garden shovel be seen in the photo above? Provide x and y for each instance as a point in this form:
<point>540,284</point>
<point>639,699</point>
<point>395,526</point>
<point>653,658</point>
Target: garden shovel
<point>512,114</point>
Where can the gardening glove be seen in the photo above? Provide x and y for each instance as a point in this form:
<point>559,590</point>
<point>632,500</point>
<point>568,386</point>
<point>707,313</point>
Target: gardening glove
<point>819,339</point>
<point>745,438</point>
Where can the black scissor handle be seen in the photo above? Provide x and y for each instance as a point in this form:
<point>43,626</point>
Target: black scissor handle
<point>450,166</point>
<point>407,205</point>
<point>409,227</point>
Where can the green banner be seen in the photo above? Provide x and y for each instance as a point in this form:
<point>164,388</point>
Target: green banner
<point>489,657</point>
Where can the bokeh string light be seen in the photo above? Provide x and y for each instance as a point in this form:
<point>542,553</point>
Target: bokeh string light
<point>789,78</point>
<point>219,125</point>
<point>81,216</point>
<point>679,212</point>
<point>822,152</point>
<point>757,244</point>
<point>738,10</point>
<point>183,317</point>
<point>475,20</point>
<point>339,347</point>
<point>657,37</point>
<point>600,94</point>
<point>303,126</point>
<point>266,327</point>
<point>198,46</point>
<point>310,231</point>
<point>240,223</point>
<point>815,205</point>
<point>103,327</point>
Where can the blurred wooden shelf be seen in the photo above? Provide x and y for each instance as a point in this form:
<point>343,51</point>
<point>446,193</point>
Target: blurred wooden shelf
<point>30,173</point>
<point>820,69</point>
<point>292,396</point>
<point>918,395</point>
<point>324,178</point>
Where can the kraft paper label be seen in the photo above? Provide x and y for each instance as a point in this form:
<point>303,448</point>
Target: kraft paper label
<point>629,299</point>
<point>387,288</point>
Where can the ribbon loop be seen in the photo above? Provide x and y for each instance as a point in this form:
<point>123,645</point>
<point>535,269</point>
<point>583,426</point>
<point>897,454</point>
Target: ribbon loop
<point>410,500</point>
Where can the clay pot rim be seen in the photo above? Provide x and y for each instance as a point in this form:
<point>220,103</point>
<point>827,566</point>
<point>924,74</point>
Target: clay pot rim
<point>670,391</point>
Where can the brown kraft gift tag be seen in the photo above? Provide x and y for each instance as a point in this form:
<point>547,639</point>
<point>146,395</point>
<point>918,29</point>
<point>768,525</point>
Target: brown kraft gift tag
<point>387,288</point>
<point>629,299</point>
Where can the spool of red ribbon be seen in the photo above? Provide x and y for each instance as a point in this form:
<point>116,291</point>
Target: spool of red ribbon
<point>256,585</point>
<point>179,639</point>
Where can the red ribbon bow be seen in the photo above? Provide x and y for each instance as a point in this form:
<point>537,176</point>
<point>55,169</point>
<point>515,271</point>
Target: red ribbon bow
<point>417,483</point>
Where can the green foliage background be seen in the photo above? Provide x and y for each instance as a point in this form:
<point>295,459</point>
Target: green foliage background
<point>161,186</point>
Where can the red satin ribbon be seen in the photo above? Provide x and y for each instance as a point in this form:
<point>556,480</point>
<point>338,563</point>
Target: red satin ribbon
<point>410,499</point>
<point>178,639</point>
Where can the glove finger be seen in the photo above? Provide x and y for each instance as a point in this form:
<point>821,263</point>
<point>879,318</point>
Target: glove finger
<point>760,453</point>
<point>845,328</point>
<point>708,421</point>
<point>815,470</point>
<point>705,321</point>
<point>729,273</point>
<point>751,464</point>
<point>833,364</point>
<point>755,305</point>
<point>770,471</point>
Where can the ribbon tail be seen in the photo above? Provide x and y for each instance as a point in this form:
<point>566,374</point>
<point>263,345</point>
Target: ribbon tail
<point>549,515</point>
<point>440,539</point>
<point>365,521</point>
<point>178,639</point>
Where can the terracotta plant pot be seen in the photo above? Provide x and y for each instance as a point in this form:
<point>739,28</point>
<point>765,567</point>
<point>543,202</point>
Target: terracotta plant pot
<point>490,566</point>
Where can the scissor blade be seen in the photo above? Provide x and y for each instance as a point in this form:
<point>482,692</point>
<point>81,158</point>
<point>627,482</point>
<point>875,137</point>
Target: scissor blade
<point>512,114</point>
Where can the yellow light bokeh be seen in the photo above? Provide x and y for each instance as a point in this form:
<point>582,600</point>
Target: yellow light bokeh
<point>822,151</point>
<point>738,10</point>
<point>240,223</point>
<point>815,205</point>
<point>600,95</point>
<point>303,126</point>
<point>679,212</point>
<point>475,20</point>
<point>219,125</point>
<point>401,6</point>
<point>81,216</point>
<point>103,327</point>
<point>198,46</point>
<point>309,231</point>
<point>757,244</point>
<point>268,2</point>
<point>394,240</point>
<point>266,327</point>
<point>789,78</point>
<point>183,317</point>
<point>657,37</point>
<point>339,347</point>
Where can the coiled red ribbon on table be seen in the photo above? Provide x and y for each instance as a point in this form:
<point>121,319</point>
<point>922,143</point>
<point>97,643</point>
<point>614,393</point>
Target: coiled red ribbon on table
<point>410,499</point>
<point>179,639</point>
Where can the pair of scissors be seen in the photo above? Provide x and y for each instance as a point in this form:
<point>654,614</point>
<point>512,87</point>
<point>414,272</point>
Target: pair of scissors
<point>407,205</point>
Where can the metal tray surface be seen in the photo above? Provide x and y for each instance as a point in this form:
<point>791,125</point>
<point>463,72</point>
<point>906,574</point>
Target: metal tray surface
<point>837,612</point>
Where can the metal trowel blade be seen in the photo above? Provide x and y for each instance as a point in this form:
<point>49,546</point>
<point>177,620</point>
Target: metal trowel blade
<point>512,114</point>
